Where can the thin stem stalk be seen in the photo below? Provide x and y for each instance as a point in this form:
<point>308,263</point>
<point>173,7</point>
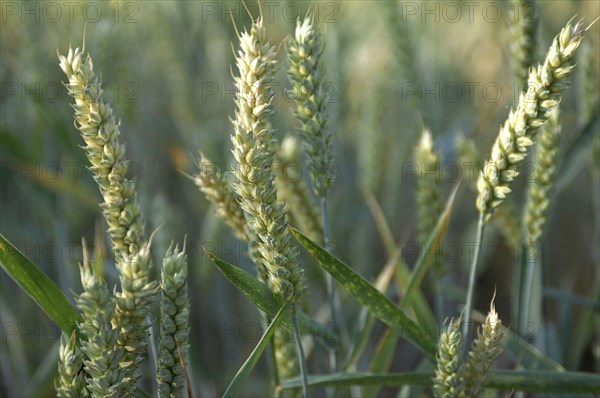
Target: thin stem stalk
<point>300,351</point>
<point>330,286</point>
<point>471,288</point>
<point>530,263</point>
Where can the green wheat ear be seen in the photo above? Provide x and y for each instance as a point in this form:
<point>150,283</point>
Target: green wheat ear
<point>304,57</point>
<point>538,193</point>
<point>523,43</point>
<point>100,131</point>
<point>446,383</point>
<point>484,351</point>
<point>70,382</point>
<point>218,190</point>
<point>545,86</point>
<point>253,148</point>
<point>103,356</point>
<point>429,194</point>
<point>174,327</point>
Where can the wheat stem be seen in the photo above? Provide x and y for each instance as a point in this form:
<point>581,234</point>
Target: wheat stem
<point>300,353</point>
<point>471,286</point>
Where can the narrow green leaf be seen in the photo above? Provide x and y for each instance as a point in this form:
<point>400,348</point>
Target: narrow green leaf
<point>508,380</point>
<point>366,321</point>
<point>379,305</point>
<point>38,286</point>
<point>247,367</point>
<point>265,300</point>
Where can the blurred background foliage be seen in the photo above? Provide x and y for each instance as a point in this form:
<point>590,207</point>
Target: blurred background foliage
<point>166,69</point>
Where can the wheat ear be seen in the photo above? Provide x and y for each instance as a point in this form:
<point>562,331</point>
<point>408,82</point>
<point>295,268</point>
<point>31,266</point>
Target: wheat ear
<point>484,351</point>
<point>217,190</point>
<point>100,131</point>
<point>253,142</point>
<point>304,56</point>
<point>429,195</point>
<point>253,148</point>
<point>446,383</point>
<point>70,382</point>
<point>538,193</point>
<point>294,191</point>
<point>174,327</point>
<point>103,356</point>
<point>505,216</point>
<point>523,43</point>
<point>134,301</point>
<point>545,86</point>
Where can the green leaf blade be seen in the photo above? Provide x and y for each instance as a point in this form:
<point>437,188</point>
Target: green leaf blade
<point>38,286</point>
<point>377,303</point>
<point>269,303</point>
<point>249,364</point>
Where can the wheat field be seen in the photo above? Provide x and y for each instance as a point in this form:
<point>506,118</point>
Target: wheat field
<point>318,199</point>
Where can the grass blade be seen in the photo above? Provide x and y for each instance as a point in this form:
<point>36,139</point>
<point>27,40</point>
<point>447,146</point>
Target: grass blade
<point>379,305</point>
<point>508,380</point>
<point>265,300</point>
<point>248,365</point>
<point>38,286</point>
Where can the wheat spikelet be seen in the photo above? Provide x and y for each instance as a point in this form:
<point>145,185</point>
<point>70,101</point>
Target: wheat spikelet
<point>70,382</point>
<point>253,142</point>
<point>103,356</point>
<point>304,56</point>
<point>538,194</point>
<point>447,375</point>
<point>523,43</point>
<point>174,327</point>
<point>545,86</point>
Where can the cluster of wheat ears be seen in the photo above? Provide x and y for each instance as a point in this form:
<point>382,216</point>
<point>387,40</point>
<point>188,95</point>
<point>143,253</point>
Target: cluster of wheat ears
<point>102,355</point>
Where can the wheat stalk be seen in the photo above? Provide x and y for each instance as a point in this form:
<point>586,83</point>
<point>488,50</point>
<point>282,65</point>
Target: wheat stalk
<point>545,86</point>
<point>70,381</point>
<point>174,327</point>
